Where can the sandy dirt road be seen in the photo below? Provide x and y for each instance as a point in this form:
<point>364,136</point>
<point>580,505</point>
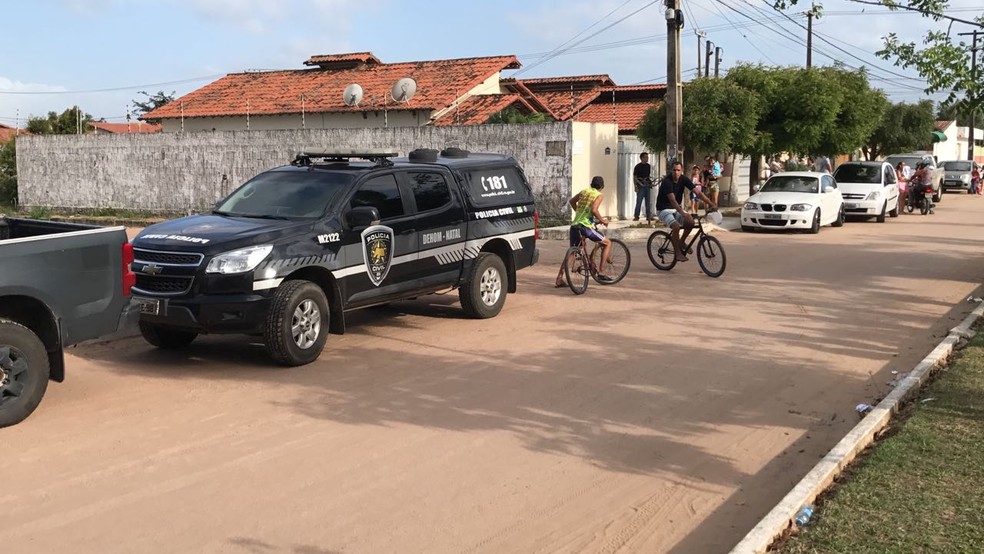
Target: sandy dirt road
<point>664,414</point>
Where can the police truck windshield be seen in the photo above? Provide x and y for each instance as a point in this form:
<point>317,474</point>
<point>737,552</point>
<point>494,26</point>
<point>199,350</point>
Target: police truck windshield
<point>287,194</point>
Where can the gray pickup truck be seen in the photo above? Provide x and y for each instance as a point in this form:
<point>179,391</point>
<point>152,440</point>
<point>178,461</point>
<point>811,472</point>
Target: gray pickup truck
<point>60,284</point>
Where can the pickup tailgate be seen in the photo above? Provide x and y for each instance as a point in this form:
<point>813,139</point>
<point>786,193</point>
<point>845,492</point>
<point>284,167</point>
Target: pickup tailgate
<point>78,274</point>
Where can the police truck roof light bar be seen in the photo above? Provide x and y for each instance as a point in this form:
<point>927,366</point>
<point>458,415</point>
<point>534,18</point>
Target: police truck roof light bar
<point>305,157</point>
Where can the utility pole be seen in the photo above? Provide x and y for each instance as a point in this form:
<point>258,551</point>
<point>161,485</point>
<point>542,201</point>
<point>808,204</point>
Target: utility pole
<point>809,37</point>
<point>972,101</point>
<point>674,88</point>
<point>717,61</point>
<point>709,48</point>
<point>700,35</point>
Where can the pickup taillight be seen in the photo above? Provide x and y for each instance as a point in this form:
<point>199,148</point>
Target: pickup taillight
<point>129,277</point>
<point>536,224</point>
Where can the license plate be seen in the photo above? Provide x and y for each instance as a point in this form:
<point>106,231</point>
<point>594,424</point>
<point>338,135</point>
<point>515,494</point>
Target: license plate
<point>771,216</point>
<point>928,195</point>
<point>850,206</point>
<point>149,306</point>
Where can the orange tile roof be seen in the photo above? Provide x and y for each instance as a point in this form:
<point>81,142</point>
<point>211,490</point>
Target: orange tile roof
<point>477,109</point>
<point>628,115</point>
<point>598,80</point>
<point>439,84</point>
<point>7,132</point>
<point>123,128</point>
<point>564,104</point>
<point>359,57</point>
<point>941,125</point>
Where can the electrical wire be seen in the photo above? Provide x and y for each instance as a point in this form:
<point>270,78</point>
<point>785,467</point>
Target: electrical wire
<point>558,51</point>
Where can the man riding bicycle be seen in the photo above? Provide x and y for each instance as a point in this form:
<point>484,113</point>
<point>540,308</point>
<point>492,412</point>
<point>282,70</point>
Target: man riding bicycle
<point>585,205</point>
<point>671,213</point>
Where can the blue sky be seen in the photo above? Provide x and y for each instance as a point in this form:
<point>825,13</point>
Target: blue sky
<point>99,54</point>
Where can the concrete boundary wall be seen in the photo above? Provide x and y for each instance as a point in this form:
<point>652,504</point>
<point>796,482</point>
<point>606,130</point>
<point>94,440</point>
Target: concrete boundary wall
<point>183,172</point>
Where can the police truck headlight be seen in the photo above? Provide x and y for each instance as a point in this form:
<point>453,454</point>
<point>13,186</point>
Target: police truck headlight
<point>801,207</point>
<point>239,261</point>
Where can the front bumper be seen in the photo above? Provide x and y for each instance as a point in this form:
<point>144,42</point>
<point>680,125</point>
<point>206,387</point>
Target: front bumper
<point>863,207</point>
<point>217,314</point>
<point>955,185</point>
<point>777,220</point>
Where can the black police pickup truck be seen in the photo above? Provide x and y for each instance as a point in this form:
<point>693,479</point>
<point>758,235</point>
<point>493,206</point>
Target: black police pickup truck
<point>290,251</point>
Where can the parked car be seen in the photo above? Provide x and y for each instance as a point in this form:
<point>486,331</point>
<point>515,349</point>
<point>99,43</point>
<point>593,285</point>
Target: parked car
<point>288,253</point>
<point>870,189</point>
<point>956,174</point>
<point>917,157</point>
<point>794,200</point>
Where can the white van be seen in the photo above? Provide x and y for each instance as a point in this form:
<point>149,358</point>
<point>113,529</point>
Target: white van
<point>870,189</point>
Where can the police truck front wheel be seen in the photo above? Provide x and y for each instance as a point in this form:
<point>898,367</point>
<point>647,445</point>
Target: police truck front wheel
<point>484,291</point>
<point>24,372</point>
<point>297,324</point>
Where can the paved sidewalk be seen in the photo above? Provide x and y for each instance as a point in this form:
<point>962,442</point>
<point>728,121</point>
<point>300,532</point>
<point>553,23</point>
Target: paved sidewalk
<point>629,230</point>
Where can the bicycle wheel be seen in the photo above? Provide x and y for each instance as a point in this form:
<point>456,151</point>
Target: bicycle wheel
<point>710,256</point>
<point>617,264</point>
<point>576,270</point>
<point>661,252</point>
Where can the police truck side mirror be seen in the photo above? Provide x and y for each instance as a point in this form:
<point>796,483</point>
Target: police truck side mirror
<point>362,216</point>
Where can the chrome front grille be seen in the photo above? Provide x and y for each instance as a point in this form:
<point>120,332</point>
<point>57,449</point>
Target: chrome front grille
<point>170,258</point>
<point>162,284</point>
<point>165,273</point>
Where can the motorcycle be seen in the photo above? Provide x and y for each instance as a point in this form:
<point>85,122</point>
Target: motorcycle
<point>919,197</point>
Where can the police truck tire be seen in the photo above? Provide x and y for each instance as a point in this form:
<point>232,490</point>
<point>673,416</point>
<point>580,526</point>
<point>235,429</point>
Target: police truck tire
<point>297,324</point>
<point>24,372</point>
<point>484,292</point>
<point>166,338</point>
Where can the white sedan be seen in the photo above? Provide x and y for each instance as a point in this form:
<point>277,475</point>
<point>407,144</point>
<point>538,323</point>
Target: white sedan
<point>794,200</point>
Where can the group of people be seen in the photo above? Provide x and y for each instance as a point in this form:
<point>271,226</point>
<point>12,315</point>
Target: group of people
<point>705,180</point>
<point>670,195</point>
<point>907,177</point>
<point>975,180</point>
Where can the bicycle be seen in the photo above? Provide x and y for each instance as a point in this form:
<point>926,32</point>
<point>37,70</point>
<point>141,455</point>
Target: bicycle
<point>579,263</point>
<point>710,253</point>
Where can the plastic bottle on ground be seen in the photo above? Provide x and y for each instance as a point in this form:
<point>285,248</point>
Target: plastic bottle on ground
<point>804,515</point>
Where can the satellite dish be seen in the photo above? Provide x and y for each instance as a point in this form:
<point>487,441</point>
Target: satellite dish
<point>352,95</point>
<point>404,89</point>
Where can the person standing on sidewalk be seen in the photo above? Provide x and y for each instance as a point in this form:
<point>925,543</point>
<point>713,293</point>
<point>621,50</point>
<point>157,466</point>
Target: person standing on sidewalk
<point>642,178</point>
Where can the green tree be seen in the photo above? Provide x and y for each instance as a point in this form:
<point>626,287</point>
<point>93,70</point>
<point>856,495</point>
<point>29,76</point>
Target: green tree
<point>859,113</point>
<point>71,121</point>
<point>512,115</point>
<point>718,116</point>
<point>942,58</point>
<point>8,173</point>
<point>151,103</point>
<point>904,127</point>
<point>956,112</point>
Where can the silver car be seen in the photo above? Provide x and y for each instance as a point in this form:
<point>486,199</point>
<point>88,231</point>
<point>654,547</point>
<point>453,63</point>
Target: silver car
<point>957,175</point>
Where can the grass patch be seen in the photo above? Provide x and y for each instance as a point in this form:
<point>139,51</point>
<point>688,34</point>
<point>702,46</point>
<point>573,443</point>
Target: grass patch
<point>920,489</point>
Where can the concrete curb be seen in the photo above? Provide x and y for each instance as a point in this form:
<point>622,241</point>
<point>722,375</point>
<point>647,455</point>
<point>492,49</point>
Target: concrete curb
<point>822,475</point>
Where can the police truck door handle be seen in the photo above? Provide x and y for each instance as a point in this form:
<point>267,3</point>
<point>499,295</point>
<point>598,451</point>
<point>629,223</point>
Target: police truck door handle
<point>407,231</point>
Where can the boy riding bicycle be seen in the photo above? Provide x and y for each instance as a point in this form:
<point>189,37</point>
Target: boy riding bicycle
<point>585,205</point>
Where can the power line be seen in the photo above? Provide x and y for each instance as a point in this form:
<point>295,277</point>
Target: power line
<point>116,89</point>
<point>728,19</point>
<point>559,50</point>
